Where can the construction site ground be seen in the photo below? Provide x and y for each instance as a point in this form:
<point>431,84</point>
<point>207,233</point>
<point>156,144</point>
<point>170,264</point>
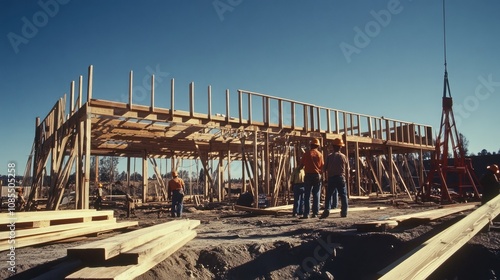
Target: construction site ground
<point>233,244</point>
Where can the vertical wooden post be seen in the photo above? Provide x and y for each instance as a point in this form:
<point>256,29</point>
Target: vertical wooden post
<point>72,98</point>
<point>96,170</point>
<point>280,113</point>
<point>255,170</point>
<point>172,93</point>
<point>128,177</point>
<point>191,99</point>
<point>243,173</point>
<point>229,185</point>
<point>220,181</point>
<point>90,82</point>
<point>145,177</point>
<point>391,171</point>
<point>293,114</point>
<point>306,117</point>
<point>86,173</point>
<point>130,88</point>
<point>249,109</point>
<point>318,116</point>
<point>80,92</point>
<point>328,121</point>
<point>153,93</point>
<point>421,168</point>
<point>227,106</point>
<point>209,103</point>
<point>267,163</point>
<point>240,106</point>
<point>358,167</point>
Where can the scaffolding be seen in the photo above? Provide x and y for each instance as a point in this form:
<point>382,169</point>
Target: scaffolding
<point>265,134</point>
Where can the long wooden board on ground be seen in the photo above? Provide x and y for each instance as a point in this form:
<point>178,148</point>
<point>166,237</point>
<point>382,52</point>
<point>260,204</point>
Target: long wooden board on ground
<point>422,261</point>
<point>146,253</point>
<point>417,218</point>
<point>108,248</point>
<point>285,209</point>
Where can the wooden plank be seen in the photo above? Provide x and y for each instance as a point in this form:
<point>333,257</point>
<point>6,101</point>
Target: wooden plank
<point>141,253</point>
<point>419,217</point>
<point>131,271</point>
<point>105,249</point>
<point>44,230</point>
<point>435,213</point>
<point>423,260</point>
<point>46,218</point>
<point>54,236</point>
<point>259,211</point>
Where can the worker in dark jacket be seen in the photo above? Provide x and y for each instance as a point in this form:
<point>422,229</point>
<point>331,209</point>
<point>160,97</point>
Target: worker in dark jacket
<point>176,192</point>
<point>489,183</point>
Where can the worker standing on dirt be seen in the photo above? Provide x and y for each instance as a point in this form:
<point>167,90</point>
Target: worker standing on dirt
<point>298,175</point>
<point>313,162</point>
<point>20,201</point>
<point>337,168</point>
<point>176,192</point>
<point>489,183</point>
<point>99,197</point>
<point>130,205</point>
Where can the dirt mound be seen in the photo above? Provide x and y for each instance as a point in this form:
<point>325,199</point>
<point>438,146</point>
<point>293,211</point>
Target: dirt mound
<point>237,245</point>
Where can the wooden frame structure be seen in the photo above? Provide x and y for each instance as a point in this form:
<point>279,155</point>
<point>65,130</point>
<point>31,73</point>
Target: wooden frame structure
<point>265,133</point>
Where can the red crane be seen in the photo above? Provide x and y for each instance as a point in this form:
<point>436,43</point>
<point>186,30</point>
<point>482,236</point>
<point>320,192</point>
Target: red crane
<point>449,156</point>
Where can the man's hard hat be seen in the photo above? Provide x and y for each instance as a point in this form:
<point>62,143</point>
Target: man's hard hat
<point>493,168</point>
<point>315,141</point>
<point>338,142</point>
<point>100,185</point>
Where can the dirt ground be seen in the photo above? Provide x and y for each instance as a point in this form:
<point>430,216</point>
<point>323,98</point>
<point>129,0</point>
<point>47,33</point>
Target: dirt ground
<point>237,245</point>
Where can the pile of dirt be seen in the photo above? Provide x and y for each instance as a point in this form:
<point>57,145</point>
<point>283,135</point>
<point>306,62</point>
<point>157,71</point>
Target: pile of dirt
<point>237,245</point>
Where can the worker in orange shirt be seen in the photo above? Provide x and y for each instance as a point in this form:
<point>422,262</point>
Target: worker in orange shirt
<point>176,192</point>
<point>313,162</point>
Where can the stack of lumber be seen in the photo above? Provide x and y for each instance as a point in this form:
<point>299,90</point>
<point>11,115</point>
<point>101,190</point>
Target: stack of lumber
<point>416,218</point>
<point>427,257</point>
<point>33,228</point>
<point>131,254</point>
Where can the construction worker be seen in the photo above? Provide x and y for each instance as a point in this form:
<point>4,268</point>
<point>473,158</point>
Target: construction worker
<point>489,183</point>
<point>313,162</point>
<point>20,201</point>
<point>298,175</point>
<point>99,193</point>
<point>176,193</point>
<point>337,168</point>
<point>130,205</point>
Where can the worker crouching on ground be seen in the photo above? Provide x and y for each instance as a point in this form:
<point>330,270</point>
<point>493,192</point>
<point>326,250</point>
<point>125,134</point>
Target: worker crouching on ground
<point>489,183</point>
<point>176,193</point>
<point>312,161</point>
<point>336,166</point>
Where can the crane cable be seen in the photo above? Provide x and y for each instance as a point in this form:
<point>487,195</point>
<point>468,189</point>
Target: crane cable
<point>446,87</point>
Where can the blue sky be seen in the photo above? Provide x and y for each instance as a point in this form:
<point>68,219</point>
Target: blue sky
<point>380,58</point>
